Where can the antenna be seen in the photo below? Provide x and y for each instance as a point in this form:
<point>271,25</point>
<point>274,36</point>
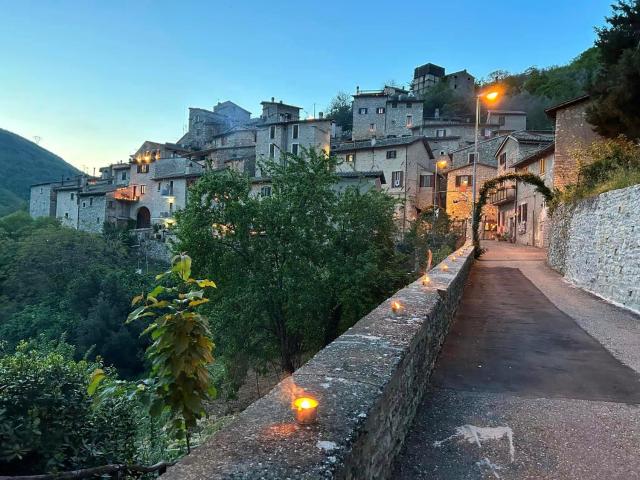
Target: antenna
<point>37,139</point>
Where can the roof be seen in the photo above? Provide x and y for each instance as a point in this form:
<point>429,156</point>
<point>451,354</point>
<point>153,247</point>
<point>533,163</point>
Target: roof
<point>507,112</point>
<point>551,111</point>
<point>532,141</point>
<point>379,143</point>
<point>542,152</point>
<point>178,175</point>
<point>273,102</point>
<point>356,174</point>
<point>472,146</point>
<point>292,122</point>
<point>230,103</point>
<point>100,189</point>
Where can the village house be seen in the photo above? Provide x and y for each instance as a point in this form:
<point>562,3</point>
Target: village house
<point>406,162</point>
<point>428,75</point>
<point>512,210</point>
<point>390,112</point>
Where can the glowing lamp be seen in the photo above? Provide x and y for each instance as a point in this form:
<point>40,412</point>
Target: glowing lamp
<point>453,258</point>
<point>396,306</point>
<point>426,280</point>
<point>491,96</point>
<point>305,410</point>
<point>442,163</point>
<point>444,267</point>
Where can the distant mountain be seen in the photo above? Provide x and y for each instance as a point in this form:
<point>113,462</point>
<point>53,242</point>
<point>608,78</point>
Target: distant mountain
<point>23,163</point>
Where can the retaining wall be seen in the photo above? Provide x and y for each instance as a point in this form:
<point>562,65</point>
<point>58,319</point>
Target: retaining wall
<point>595,244</point>
<point>369,383</point>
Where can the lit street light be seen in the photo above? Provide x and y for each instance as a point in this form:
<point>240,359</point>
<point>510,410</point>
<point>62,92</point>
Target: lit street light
<point>490,96</point>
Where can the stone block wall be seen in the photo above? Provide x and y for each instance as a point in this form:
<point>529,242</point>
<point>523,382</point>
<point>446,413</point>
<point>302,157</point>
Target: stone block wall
<point>596,245</point>
<point>369,383</point>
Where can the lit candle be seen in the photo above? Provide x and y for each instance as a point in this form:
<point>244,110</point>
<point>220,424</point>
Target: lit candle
<point>396,306</point>
<point>426,280</point>
<point>305,410</point>
<point>444,267</point>
<point>453,258</point>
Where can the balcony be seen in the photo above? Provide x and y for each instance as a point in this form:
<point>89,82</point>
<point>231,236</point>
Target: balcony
<point>502,195</point>
<point>127,194</point>
<point>166,192</point>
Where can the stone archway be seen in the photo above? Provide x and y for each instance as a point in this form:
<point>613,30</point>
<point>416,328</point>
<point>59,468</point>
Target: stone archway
<point>143,218</point>
<point>529,178</point>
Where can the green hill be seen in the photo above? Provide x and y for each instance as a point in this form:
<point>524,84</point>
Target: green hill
<point>22,164</point>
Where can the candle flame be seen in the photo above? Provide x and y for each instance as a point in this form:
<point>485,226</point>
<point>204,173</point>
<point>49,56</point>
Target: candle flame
<point>396,306</point>
<point>304,403</point>
<point>444,267</point>
<point>426,279</point>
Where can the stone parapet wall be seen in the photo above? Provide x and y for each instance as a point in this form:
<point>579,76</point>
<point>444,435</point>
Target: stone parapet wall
<point>369,383</point>
<point>596,245</point>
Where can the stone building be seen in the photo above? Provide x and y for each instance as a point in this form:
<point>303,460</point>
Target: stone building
<point>428,75</point>
<point>515,148</point>
<point>504,121</point>
<point>205,124</point>
<point>531,209</point>
<point>390,112</point>
<point>572,132</point>
<point>407,164</point>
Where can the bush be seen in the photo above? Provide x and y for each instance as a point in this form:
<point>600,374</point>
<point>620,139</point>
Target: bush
<point>47,420</point>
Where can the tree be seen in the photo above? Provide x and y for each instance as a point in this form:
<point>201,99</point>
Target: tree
<point>616,92</point>
<point>340,109</point>
<point>294,268</point>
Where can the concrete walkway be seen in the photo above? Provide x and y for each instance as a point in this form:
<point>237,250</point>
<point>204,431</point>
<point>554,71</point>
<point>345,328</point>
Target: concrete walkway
<point>537,380</point>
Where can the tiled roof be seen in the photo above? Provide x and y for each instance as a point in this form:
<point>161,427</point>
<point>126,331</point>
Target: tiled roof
<point>369,174</point>
<point>551,111</point>
<point>535,155</point>
<point>379,143</point>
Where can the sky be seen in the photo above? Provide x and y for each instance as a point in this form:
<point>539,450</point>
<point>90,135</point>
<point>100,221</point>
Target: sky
<point>93,79</point>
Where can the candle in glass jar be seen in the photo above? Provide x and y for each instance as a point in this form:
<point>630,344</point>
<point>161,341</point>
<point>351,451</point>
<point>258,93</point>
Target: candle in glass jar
<point>305,410</point>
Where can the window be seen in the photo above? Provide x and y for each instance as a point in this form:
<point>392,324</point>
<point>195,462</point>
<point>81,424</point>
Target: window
<point>294,148</point>
<point>97,219</point>
<point>295,132</point>
<point>409,105</point>
<point>442,153</point>
<point>66,214</point>
<point>159,186</point>
<point>170,208</point>
<point>84,204</point>
<point>426,181</point>
<point>522,213</point>
<point>409,121</point>
<point>503,159</point>
<point>265,191</point>
<point>363,111</point>
<point>471,157</point>
<point>72,196</point>
<point>124,175</point>
<point>397,179</point>
<point>272,150</point>
<point>372,127</point>
<point>40,189</point>
<point>90,201</point>
<point>380,110</point>
<point>350,157</point>
<point>110,204</point>
<point>394,104</point>
<point>170,187</point>
<point>441,132</point>
<point>543,166</point>
<point>464,180</point>
<point>272,132</point>
<point>143,168</point>
<point>143,189</point>
<point>391,154</point>
<point>501,120</point>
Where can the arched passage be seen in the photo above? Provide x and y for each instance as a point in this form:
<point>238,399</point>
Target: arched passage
<point>143,218</point>
<point>529,178</point>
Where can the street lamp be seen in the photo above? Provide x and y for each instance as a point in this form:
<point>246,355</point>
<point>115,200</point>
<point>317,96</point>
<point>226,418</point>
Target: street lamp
<point>442,164</point>
<point>489,96</point>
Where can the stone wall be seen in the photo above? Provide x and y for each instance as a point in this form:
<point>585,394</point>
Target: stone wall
<point>369,383</point>
<point>596,245</point>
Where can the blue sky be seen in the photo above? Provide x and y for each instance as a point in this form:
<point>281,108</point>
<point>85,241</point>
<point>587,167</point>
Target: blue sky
<point>94,79</point>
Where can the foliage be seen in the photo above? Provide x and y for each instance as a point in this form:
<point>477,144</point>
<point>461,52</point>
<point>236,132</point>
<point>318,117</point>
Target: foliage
<point>287,263</point>
<point>55,280</point>
<point>47,420</point>
<point>449,103</point>
<point>181,349</point>
<point>340,109</point>
<point>602,166</point>
<point>616,92</point>
<point>489,185</point>
<point>432,230</point>
<point>23,163</point>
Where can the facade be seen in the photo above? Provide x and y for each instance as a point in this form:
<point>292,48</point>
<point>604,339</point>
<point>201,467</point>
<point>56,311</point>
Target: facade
<point>205,124</point>
<point>428,75</point>
<point>503,121</point>
<point>531,210</point>
<point>407,164</point>
<point>390,112</point>
<point>515,148</point>
<point>572,132</point>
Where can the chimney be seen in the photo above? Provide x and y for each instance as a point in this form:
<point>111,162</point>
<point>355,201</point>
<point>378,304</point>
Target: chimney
<point>273,99</point>
<point>358,90</point>
<point>436,114</point>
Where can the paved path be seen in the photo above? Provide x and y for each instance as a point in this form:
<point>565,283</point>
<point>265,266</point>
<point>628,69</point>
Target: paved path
<point>536,380</point>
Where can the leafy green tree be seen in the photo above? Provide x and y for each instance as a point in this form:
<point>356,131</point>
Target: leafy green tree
<point>340,109</point>
<point>287,263</point>
<point>616,92</point>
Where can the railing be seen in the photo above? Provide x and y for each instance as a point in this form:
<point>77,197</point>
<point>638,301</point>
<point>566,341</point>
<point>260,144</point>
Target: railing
<point>502,195</point>
<point>167,192</point>
<point>127,194</point>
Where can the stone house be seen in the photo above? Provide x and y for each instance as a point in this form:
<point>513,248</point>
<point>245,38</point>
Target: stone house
<point>531,209</point>
<point>428,75</point>
<point>513,149</point>
<point>407,164</point>
<point>205,124</point>
<point>504,121</point>
<point>572,132</point>
<point>390,112</point>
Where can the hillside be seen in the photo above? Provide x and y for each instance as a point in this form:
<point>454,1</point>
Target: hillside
<point>24,163</point>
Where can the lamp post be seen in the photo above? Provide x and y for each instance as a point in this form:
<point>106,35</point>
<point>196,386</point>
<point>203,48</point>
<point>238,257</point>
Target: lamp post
<point>442,164</point>
<point>491,96</point>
